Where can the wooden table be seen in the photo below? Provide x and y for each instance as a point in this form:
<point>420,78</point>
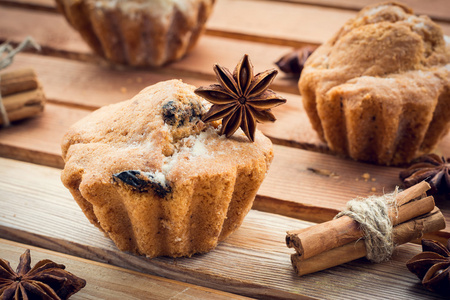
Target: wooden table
<point>38,213</point>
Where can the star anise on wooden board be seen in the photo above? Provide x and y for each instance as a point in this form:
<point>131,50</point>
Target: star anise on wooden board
<point>240,99</point>
<point>293,62</point>
<point>432,266</point>
<point>46,280</point>
<point>432,168</point>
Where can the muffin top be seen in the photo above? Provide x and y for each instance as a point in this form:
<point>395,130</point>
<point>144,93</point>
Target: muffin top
<point>159,132</point>
<point>378,90</point>
<point>383,39</point>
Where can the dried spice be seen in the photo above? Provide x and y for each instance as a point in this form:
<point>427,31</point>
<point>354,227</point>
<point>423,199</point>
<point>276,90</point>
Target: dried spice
<point>293,62</point>
<point>240,99</point>
<point>46,280</point>
<point>432,168</point>
<point>432,266</point>
<point>144,181</point>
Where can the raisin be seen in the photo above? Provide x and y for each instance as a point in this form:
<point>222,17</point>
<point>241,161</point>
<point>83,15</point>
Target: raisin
<point>176,114</point>
<point>142,182</point>
<point>169,111</point>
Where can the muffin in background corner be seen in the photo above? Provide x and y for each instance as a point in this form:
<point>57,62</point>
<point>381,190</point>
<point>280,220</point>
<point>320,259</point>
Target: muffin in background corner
<point>379,90</point>
<point>138,32</point>
<point>156,179</point>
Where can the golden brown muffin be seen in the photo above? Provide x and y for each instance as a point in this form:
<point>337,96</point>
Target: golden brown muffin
<point>156,179</point>
<point>379,90</point>
<point>138,32</point>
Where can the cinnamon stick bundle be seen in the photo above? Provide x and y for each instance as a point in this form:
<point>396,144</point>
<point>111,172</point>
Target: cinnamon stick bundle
<point>340,240</point>
<point>22,95</point>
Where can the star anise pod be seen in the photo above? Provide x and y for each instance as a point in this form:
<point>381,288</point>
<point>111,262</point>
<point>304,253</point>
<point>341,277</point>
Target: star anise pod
<point>46,280</point>
<point>432,266</point>
<point>432,168</point>
<point>240,99</point>
<point>293,62</point>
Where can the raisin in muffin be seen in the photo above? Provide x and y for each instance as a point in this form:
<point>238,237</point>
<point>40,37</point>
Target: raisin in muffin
<point>138,32</point>
<point>379,90</point>
<point>156,179</point>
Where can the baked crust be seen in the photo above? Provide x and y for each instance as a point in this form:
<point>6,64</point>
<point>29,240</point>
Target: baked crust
<point>379,90</point>
<point>138,32</point>
<point>211,181</point>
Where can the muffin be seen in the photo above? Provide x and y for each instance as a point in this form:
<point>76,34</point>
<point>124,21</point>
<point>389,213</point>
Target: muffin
<point>138,32</point>
<point>379,90</point>
<point>156,179</point>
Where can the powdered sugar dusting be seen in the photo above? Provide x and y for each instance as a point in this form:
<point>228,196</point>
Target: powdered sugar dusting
<point>199,149</point>
<point>160,178</point>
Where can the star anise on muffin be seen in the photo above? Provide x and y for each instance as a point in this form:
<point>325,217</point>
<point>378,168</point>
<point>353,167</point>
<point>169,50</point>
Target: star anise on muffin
<point>432,266</point>
<point>46,280</point>
<point>432,168</point>
<point>240,99</point>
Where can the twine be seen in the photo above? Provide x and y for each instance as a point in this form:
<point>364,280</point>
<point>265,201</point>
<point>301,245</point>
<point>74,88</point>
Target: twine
<point>3,113</point>
<point>7,53</point>
<point>372,214</point>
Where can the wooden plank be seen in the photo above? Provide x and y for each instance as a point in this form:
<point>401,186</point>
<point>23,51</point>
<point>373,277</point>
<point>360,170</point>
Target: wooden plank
<point>285,22</point>
<point>435,9</point>
<point>289,189</point>
<point>46,5</point>
<point>57,38</point>
<point>89,86</point>
<point>254,261</point>
<point>105,281</point>
<point>61,34</point>
<point>72,83</point>
<point>38,139</point>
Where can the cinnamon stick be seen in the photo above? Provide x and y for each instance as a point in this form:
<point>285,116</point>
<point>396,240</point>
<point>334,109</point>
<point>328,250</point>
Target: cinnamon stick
<point>18,81</point>
<point>20,100</point>
<point>22,96</point>
<point>25,112</point>
<point>416,191</point>
<point>403,233</point>
<point>322,237</point>
<point>316,239</point>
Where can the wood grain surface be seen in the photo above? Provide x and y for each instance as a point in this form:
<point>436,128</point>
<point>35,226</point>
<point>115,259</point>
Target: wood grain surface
<point>306,183</point>
<point>104,281</point>
<point>285,22</point>
<point>36,209</point>
<point>436,9</point>
<point>291,188</point>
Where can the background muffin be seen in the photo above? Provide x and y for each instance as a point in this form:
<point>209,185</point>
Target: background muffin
<point>379,90</point>
<point>156,179</point>
<point>138,32</point>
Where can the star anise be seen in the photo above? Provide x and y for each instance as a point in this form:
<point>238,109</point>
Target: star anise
<point>432,168</point>
<point>432,266</point>
<point>46,280</point>
<point>240,99</point>
<point>293,62</point>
